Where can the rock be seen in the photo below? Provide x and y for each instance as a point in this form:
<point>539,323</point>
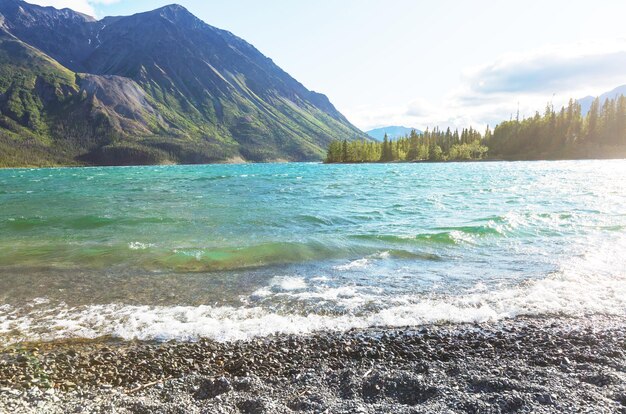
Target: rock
<point>211,388</point>
<point>600,379</point>
<point>245,384</point>
<point>255,406</point>
<point>448,369</point>
<point>545,399</point>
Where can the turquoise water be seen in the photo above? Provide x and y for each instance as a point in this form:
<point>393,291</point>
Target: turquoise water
<point>234,251</point>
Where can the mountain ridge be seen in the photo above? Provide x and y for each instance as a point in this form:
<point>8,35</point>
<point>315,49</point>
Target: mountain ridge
<point>392,131</point>
<point>170,87</point>
<point>585,103</point>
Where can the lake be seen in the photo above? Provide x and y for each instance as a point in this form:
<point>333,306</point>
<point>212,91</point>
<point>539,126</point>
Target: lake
<point>236,251</point>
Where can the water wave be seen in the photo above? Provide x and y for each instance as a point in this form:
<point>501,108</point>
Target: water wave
<point>154,257</point>
<point>556,295</point>
<point>351,247</point>
<point>441,235</point>
<point>567,292</point>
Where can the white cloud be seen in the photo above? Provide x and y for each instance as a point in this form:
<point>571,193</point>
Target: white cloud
<point>553,69</point>
<point>525,81</point>
<point>83,6</point>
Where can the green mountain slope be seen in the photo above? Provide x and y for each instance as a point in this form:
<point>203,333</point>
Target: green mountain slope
<point>33,89</point>
<point>156,87</point>
<point>50,115</point>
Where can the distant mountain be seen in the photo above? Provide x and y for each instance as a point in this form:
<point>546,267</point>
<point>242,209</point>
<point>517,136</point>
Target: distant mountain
<point>585,103</point>
<point>392,132</point>
<point>155,87</point>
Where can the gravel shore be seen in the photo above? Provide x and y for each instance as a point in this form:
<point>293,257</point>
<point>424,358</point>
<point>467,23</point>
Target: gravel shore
<point>522,365</point>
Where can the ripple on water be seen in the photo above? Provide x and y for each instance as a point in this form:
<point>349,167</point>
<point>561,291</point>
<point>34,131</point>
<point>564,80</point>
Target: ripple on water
<point>302,247</point>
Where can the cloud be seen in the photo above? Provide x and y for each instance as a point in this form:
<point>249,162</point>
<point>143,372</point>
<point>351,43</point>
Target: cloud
<point>418,108</point>
<point>83,6</point>
<point>419,114</point>
<point>523,82</point>
<point>555,69</point>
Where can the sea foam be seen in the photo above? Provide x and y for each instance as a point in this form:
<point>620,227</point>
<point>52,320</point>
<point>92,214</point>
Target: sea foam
<point>562,293</point>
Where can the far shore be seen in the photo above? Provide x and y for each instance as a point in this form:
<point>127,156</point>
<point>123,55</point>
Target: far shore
<point>240,161</point>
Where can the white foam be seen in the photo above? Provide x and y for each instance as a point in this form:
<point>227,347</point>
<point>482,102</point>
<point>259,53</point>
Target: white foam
<point>262,292</point>
<point>355,264</point>
<point>594,283</point>
<point>346,297</point>
<point>279,284</point>
<point>364,262</point>
<point>139,246</point>
<point>41,301</point>
<point>289,282</point>
<point>557,294</point>
<point>462,237</point>
<point>320,279</point>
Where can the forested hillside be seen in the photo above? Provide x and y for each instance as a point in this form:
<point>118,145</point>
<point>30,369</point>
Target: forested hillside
<point>557,134</point>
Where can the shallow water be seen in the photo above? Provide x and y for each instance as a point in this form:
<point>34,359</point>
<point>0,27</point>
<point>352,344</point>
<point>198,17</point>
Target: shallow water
<point>233,251</point>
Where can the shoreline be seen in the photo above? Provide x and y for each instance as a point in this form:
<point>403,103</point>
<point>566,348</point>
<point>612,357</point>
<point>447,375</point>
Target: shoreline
<point>483,160</point>
<point>527,364</point>
<point>227,162</point>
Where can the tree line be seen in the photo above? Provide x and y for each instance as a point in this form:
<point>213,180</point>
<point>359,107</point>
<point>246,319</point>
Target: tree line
<point>433,145</point>
<point>566,133</point>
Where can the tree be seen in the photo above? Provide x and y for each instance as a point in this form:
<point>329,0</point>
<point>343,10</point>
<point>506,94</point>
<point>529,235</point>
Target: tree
<point>435,153</point>
<point>334,152</point>
<point>386,155</point>
<point>592,120</point>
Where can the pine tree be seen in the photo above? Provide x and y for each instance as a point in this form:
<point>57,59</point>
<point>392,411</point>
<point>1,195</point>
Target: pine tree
<point>386,152</point>
<point>592,120</point>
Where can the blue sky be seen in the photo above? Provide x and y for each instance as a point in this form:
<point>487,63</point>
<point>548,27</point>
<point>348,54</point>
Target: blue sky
<point>424,63</point>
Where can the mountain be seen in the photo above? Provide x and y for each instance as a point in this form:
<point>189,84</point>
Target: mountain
<point>155,87</point>
<point>585,103</point>
<point>392,132</point>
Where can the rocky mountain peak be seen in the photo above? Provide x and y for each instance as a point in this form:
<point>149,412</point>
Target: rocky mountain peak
<point>167,85</point>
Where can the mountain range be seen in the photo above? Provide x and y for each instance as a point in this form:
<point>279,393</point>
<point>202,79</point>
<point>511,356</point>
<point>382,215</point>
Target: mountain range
<point>392,132</point>
<point>585,103</point>
<point>155,87</point>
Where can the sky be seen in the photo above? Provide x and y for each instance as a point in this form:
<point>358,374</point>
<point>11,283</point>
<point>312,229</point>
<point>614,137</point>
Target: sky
<point>424,63</point>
